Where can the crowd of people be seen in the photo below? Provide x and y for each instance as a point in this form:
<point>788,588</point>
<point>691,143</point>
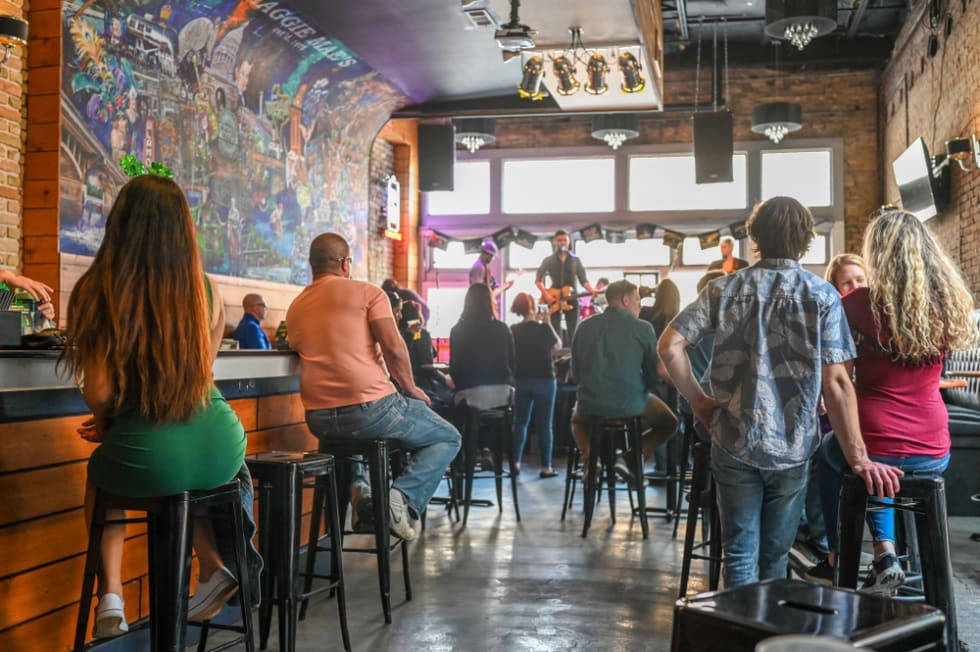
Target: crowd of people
<point>793,379</point>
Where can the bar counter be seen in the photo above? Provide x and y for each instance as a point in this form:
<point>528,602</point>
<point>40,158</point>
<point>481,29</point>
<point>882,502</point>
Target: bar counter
<point>43,532</point>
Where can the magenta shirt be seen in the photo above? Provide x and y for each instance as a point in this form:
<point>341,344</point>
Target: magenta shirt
<point>901,410</point>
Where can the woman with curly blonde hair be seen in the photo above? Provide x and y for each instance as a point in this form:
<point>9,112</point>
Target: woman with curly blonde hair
<point>916,308</point>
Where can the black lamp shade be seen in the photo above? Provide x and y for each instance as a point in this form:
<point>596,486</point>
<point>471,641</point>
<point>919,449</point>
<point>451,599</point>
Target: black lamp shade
<point>13,31</point>
<point>787,113</point>
<point>822,14</point>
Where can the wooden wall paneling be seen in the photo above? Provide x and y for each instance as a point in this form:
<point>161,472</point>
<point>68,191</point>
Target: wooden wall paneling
<point>54,631</point>
<point>29,444</point>
<point>280,410</point>
<point>246,409</point>
<point>47,490</point>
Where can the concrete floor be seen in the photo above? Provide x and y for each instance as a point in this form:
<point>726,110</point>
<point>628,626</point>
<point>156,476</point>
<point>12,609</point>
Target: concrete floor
<point>537,585</point>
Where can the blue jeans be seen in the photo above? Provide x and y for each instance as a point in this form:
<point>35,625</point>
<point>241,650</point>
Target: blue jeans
<point>431,439</point>
<point>537,394</point>
<point>880,521</point>
<point>759,512</point>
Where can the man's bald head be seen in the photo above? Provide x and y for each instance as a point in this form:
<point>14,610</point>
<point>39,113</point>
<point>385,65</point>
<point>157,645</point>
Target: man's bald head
<point>254,304</point>
<point>328,251</point>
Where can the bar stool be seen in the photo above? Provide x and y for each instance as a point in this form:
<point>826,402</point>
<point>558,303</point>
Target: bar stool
<point>572,477</point>
<point>169,533</point>
<point>685,472</point>
<point>701,502</point>
<point>280,477</point>
<point>604,434</point>
<point>377,454</point>
<point>472,419</point>
<point>926,499</point>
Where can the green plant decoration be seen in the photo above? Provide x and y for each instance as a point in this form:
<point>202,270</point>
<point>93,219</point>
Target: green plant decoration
<point>133,167</point>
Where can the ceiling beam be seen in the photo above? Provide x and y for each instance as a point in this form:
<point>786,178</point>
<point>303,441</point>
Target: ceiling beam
<point>858,7</point>
<point>650,21</point>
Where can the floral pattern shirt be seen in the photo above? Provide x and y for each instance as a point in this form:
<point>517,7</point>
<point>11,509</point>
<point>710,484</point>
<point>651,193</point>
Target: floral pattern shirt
<point>775,325</point>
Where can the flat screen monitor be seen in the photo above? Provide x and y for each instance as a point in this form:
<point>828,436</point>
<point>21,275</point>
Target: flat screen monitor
<point>923,193</point>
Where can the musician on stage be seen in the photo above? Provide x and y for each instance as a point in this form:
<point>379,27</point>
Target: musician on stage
<point>564,269</point>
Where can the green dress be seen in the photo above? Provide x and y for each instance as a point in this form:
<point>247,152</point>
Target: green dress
<point>139,458</point>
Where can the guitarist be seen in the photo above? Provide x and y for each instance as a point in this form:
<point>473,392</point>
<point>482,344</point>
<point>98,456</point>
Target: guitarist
<point>564,269</point>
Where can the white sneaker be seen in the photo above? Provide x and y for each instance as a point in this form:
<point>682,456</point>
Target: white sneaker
<point>211,596</point>
<point>398,516</point>
<point>110,617</point>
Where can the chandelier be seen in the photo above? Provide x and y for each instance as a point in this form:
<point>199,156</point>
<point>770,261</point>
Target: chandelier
<point>474,133</point>
<point>776,119</point>
<point>615,128</point>
<point>800,21</point>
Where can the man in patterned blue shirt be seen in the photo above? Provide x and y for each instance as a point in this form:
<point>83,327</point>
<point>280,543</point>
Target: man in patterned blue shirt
<point>780,338</point>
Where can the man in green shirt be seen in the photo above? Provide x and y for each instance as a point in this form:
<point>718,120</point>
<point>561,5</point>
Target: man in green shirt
<point>614,362</point>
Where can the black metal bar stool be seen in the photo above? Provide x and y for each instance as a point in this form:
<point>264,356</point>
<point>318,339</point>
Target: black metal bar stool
<point>377,454</point>
<point>685,469</point>
<point>471,420</point>
<point>701,502</point>
<point>924,497</point>
<point>605,434</point>
<point>572,477</point>
<point>280,477</point>
<point>169,533</point>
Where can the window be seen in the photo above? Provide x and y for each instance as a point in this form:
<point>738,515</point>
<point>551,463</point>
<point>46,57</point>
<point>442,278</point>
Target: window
<point>687,283</point>
<point>693,254</point>
<point>632,253</point>
<point>445,306</point>
<point>453,257</point>
<point>471,194</point>
<point>559,186</point>
<point>520,258</point>
<point>817,254</point>
<point>666,183</point>
<point>805,176</point>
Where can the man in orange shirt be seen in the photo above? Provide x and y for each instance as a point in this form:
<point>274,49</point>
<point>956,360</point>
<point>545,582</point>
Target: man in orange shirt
<point>351,350</point>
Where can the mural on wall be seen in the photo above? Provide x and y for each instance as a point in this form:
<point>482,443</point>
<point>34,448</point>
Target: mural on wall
<point>265,122</point>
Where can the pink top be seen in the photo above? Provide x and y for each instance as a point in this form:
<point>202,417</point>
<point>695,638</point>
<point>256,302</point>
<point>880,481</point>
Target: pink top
<point>329,326</point>
<point>901,410</point>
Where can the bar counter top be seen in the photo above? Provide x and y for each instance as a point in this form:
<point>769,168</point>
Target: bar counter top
<point>31,386</point>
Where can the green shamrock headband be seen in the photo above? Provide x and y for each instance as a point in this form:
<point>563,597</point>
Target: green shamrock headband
<point>133,167</point>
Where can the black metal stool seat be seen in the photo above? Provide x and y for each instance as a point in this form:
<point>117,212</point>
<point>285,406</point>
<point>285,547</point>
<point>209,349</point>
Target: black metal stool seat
<point>701,502</point>
<point>169,533</point>
<point>604,438</point>
<point>926,499</point>
<point>736,619</point>
<point>377,454</point>
<point>280,477</point>
<point>470,421</point>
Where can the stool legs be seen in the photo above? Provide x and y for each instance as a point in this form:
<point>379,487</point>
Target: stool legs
<point>91,570</point>
<point>633,436</point>
<point>932,533</point>
<point>853,505</point>
<point>574,455</point>
<point>172,560</point>
<point>702,500</point>
<point>378,469</point>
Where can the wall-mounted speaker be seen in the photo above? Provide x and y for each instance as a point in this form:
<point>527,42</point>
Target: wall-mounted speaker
<point>713,146</point>
<point>437,157</point>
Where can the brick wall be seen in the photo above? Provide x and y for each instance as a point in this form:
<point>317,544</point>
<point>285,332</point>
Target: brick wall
<point>13,133</point>
<point>838,104</point>
<point>938,98</point>
<point>379,247</point>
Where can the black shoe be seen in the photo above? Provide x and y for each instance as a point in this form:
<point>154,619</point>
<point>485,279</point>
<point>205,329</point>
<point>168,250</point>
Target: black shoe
<point>623,470</point>
<point>362,518</point>
<point>884,576</point>
<point>822,573</point>
<point>548,473</point>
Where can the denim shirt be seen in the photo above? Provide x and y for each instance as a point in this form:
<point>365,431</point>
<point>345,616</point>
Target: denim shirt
<point>774,325</point>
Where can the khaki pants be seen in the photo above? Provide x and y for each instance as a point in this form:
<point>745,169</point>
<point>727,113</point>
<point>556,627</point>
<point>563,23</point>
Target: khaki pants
<point>660,420</point>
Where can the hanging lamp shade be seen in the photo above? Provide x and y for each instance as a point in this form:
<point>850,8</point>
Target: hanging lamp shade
<point>474,133</point>
<point>776,119</point>
<point>615,128</point>
<point>800,21</point>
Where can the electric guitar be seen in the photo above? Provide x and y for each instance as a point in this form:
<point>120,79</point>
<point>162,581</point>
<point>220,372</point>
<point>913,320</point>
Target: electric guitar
<point>565,298</point>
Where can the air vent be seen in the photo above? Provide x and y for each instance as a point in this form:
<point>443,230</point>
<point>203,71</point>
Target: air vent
<point>480,17</point>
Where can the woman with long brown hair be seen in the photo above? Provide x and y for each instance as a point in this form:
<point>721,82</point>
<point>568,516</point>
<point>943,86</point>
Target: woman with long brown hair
<point>144,325</point>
